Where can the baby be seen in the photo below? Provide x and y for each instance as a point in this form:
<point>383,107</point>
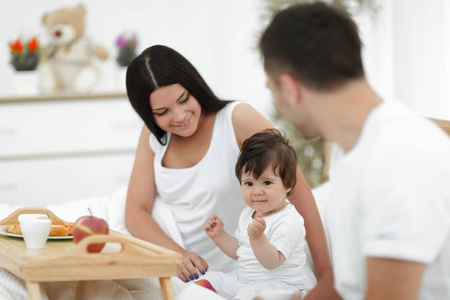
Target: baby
<point>270,238</point>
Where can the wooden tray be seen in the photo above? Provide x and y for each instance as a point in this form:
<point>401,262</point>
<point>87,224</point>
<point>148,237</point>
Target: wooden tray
<point>14,216</point>
<point>123,257</point>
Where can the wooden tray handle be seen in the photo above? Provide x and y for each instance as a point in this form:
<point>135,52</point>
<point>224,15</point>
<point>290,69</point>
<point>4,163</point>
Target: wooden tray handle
<point>144,244</point>
<point>14,216</point>
<point>127,247</point>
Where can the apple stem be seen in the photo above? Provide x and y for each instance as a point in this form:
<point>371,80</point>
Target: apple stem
<point>90,212</point>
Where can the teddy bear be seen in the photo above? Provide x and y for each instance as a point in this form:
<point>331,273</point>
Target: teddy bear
<point>67,63</point>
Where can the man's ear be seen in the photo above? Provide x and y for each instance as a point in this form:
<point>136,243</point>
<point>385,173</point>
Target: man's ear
<point>290,88</point>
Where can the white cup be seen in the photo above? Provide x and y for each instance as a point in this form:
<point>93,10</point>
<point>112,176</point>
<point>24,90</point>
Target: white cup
<point>267,294</point>
<point>35,232</point>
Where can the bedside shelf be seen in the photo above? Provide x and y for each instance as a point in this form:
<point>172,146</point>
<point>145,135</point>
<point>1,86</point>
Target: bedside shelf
<point>61,96</point>
<point>64,147</point>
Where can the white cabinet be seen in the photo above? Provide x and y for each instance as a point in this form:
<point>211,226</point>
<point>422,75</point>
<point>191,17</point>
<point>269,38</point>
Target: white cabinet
<point>67,148</point>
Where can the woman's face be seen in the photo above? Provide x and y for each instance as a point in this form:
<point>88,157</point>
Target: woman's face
<point>175,110</point>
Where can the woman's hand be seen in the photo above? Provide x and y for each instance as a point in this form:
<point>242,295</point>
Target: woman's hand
<point>213,226</point>
<point>191,265</point>
<point>256,228</point>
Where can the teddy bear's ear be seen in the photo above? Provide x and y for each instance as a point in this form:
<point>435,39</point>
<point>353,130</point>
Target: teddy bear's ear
<point>44,19</point>
<point>81,9</point>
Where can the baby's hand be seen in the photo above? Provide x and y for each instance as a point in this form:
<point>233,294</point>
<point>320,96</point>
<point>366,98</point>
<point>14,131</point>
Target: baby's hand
<point>213,226</point>
<point>256,229</point>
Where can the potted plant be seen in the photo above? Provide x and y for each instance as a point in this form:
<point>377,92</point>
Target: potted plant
<point>126,44</point>
<point>24,54</point>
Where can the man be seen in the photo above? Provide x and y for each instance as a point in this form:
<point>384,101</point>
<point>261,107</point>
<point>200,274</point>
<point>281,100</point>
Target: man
<point>390,172</point>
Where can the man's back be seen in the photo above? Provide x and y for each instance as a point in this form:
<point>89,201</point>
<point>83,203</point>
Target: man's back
<point>391,199</point>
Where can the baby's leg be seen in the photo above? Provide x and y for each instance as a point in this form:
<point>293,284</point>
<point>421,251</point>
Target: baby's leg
<point>271,289</point>
<point>225,284</point>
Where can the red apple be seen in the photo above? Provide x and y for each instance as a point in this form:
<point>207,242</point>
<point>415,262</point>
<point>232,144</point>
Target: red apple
<point>89,225</point>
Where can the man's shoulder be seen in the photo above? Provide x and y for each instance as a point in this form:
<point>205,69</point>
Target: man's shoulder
<point>397,130</point>
<point>410,136</point>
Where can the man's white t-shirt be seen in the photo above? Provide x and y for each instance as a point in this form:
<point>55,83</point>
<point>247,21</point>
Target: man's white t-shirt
<point>391,199</point>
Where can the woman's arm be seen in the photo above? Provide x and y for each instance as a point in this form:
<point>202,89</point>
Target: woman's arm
<point>140,197</point>
<point>139,205</point>
<point>246,122</point>
<point>303,200</point>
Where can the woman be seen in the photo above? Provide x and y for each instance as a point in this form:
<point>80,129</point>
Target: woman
<point>186,157</point>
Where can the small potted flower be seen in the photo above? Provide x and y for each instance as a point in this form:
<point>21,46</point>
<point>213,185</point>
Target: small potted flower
<point>126,44</point>
<point>24,54</point>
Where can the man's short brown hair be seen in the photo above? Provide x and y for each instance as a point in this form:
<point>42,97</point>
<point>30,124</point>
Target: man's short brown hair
<point>314,43</point>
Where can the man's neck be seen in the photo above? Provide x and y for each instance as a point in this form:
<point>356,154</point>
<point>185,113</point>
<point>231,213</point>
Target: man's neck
<point>346,111</point>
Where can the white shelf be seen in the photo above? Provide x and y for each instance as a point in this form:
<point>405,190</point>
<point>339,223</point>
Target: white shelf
<point>62,96</point>
<point>62,147</point>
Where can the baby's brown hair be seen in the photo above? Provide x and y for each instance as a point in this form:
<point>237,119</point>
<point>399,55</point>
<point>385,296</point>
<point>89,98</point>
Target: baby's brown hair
<point>264,149</point>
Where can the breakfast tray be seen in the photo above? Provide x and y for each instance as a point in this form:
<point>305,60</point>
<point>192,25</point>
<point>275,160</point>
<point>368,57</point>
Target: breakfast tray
<point>62,260</point>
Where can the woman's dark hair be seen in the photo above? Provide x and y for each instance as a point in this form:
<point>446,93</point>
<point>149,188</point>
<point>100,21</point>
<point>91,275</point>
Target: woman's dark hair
<point>315,43</point>
<point>264,149</point>
<point>159,66</point>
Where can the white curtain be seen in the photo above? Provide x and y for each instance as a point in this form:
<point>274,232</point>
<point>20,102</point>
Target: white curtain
<point>407,53</point>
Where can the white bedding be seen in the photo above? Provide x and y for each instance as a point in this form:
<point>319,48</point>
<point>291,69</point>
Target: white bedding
<point>111,208</point>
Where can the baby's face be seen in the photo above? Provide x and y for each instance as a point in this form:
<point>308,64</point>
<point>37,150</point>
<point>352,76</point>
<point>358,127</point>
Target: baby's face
<point>266,194</point>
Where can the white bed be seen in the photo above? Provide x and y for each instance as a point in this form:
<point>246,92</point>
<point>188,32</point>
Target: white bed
<point>111,208</point>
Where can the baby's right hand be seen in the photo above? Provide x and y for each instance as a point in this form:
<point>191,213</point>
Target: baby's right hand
<point>213,226</point>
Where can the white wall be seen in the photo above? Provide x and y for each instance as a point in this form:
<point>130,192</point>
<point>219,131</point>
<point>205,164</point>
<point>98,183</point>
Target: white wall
<point>218,37</point>
<point>406,53</point>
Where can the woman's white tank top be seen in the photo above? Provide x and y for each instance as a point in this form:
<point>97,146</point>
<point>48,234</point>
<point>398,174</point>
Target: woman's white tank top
<point>209,187</point>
